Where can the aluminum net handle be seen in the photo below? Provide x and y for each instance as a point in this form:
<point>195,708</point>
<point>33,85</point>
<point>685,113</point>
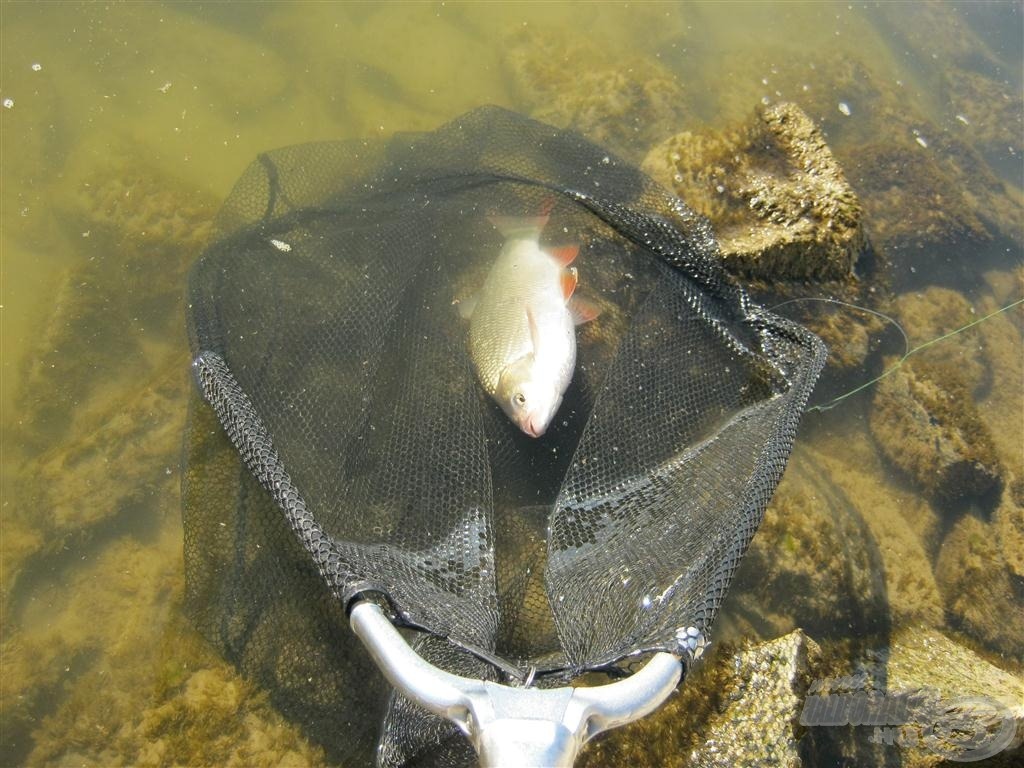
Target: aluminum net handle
<point>514,726</point>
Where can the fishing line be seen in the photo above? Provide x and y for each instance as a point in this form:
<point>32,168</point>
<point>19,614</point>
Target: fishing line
<point>907,351</point>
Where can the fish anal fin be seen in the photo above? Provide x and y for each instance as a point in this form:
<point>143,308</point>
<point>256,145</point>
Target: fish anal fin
<point>583,311</point>
<point>564,254</point>
<point>569,279</point>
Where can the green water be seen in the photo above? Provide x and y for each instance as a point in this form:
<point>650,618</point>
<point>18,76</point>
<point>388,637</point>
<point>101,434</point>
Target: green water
<point>129,123</point>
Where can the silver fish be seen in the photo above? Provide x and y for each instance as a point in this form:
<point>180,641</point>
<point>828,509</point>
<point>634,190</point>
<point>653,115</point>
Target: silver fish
<point>522,333</point>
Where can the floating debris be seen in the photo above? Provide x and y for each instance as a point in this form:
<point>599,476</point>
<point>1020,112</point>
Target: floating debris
<point>165,87</point>
<point>37,67</point>
<point>8,103</point>
<point>844,108</point>
<point>963,119</point>
<point>281,245</point>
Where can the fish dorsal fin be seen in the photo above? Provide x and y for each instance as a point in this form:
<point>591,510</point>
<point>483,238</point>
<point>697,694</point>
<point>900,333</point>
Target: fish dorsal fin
<point>519,227</point>
<point>466,306</point>
<point>583,311</point>
<point>569,279</point>
<point>564,254</point>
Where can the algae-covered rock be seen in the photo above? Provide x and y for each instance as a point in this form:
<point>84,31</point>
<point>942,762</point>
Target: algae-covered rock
<point>987,112</point>
<point>1005,285</point>
<point>849,336</point>
<point>902,527</point>
<point>624,102</point>
<point>841,548</point>
<point>925,188</point>
<point>738,708</point>
<point>921,658</point>
<point>844,317</point>
<point>118,315</point>
<point>933,312</point>
<point>1008,524</point>
<point>935,32</point>
<point>927,424</point>
<point>910,202</point>
<point>779,203</point>
<point>1003,338</point>
<point>119,469</point>
<point>217,719</point>
<point>813,562</point>
<point>959,707</point>
<point>102,668</point>
<point>984,597</point>
<point>172,703</point>
<point>82,643</point>
<point>759,722</point>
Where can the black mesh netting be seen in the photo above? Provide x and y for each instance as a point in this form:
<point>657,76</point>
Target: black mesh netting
<point>365,457</point>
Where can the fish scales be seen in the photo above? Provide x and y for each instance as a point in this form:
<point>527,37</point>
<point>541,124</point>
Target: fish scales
<point>522,335</point>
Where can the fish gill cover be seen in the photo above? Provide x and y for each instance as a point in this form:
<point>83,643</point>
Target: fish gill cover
<point>357,452</point>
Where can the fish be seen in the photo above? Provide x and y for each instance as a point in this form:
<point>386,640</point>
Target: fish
<point>522,330</point>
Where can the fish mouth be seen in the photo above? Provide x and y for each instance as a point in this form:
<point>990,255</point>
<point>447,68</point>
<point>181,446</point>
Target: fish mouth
<point>533,425</point>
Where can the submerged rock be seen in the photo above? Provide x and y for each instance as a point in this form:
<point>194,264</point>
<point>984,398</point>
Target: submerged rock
<point>911,202</point>
<point>626,103</point>
<point>1008,523</point>
<point>118,472</point>
<point>978,574</point>
<point>162,701</point>
<point>926,423</point>
<point>118,316</point>
<point>843,319</point>
<point>759,722</point>
<point>925,188</point>
<point>779,203</point>
<point>841,551</point>
<point>1003,400</point>
<point>960,704</point>
<point>740,709</point>
<point>812,564</point>
<point>987,112</point>
<point>933,312</point>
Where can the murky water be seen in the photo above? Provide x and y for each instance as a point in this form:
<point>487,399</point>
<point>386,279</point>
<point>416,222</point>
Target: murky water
<point>124,126</point>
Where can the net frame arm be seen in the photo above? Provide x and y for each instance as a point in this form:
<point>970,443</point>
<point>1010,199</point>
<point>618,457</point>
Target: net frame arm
<point>514,726</point>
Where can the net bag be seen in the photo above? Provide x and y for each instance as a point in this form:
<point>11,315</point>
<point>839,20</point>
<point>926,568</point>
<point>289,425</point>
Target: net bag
<point>344,447</point>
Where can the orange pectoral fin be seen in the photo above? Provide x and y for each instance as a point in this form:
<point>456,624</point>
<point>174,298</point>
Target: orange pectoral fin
<point>583,311</point>
<point>564,254</point>
<point>569,279</point>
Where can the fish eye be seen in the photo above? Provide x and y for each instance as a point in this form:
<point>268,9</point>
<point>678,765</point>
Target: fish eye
<point>519,398</point>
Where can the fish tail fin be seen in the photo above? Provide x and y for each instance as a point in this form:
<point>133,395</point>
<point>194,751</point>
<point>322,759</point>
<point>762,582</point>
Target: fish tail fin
<point>519,227</point>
